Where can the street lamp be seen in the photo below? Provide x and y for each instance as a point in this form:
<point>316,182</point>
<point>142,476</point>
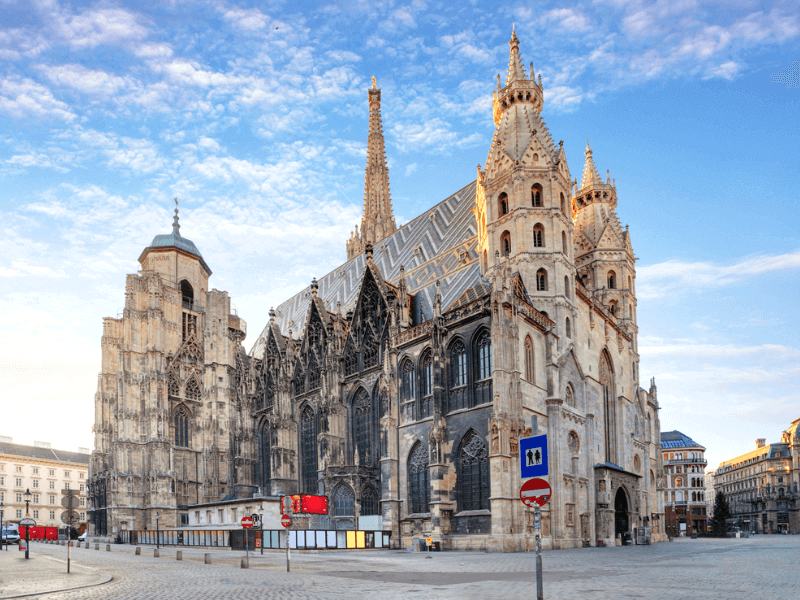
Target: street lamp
<point>157,544</point>
<point>4,540</point>
<point>261,521</point>
<point>27,495</point>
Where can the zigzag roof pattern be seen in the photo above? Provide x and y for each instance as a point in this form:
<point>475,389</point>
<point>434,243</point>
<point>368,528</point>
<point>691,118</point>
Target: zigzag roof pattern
<point>440,244</point>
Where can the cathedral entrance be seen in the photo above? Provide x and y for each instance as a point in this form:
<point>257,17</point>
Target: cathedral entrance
<point>621,513</point>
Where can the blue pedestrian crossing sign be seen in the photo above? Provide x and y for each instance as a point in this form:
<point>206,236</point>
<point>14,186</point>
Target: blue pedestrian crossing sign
<point>533,456</point>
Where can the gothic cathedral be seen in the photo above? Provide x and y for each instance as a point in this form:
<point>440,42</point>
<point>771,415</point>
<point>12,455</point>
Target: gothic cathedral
<point>400,384</point>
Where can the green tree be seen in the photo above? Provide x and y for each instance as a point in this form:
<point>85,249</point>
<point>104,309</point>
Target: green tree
<point>722,512</point>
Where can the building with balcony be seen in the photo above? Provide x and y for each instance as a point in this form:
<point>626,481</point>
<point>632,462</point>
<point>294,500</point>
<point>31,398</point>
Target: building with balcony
<point>45,473</point>
<point>685,509</point>
<point>762,485</point>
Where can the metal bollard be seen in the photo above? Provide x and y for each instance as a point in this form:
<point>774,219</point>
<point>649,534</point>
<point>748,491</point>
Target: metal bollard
<point>207,558</point>
<point>138,550</point>
<point>108,547</point>
<point>179,555</point>
<point>245,563</point>
<point>155,553</point>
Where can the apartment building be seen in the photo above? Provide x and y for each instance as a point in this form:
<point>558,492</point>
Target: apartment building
<point>762,485</point>
<point>44,472</point>
<point>685,508</point>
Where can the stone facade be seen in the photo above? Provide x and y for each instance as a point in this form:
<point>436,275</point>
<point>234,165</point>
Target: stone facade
<point>400,383</point>
<point>167,422</point>
<point>763,485</point>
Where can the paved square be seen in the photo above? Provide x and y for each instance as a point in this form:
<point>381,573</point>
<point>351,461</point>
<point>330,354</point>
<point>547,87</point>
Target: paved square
<point>757,568</point>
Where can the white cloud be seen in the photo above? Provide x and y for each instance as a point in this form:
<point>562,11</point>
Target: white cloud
<point>84,80</point>
<point>249,19</point>
<point>25,98</point>
<point>662,279</point>
<point>727,70</point>
<point>410,169</point>
<point>95,27</point>
<point>567,18</point>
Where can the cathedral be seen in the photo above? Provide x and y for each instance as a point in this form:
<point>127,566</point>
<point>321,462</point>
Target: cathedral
<point>400,383</point>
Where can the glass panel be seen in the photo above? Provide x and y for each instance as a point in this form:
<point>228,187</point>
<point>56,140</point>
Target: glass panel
<point>359,539</point>
<point>292,539</point>
<point>331,539</point>
<point>275,540</point>
<point>351,539</point>
<point>341,539</point>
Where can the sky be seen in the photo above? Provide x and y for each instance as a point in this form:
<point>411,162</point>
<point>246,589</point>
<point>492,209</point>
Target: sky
<point>254,114</point>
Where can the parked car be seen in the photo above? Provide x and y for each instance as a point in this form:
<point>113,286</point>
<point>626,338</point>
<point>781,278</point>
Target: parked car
<point>10,536</point>
<point>82,537</point>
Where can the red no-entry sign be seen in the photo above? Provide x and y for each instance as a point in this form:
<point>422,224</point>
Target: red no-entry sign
<point>535,492</point>
<point>247,522</point>
<point>286,520</point>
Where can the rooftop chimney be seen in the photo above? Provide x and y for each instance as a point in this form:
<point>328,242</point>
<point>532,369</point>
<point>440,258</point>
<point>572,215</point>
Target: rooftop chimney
<point>761,442</point>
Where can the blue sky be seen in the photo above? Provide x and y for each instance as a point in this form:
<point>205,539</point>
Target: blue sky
<point>255,116</point>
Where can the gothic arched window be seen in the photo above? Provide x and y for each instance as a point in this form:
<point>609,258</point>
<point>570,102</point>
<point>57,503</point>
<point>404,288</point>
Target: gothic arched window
<point>541,280</point>
<point>609,407</point>
<point>564,243</point>
<point>612,280</point>
<point>308,443</point>
<point>371,347</point>
<point>529,372</point>
<point>563,204</point>
<point>505,243</point>
<point>408,380</point>
<point>483,353</point>
<point>269,392</point>
<point>473,474</point>
<point>419,481</point>
<point>536,195</point>
<point>502,204</point>
<point>344,501</point>
<point>182,427</point>
<point>369,503</point>
<point>570,396</point>
<point>458,364</point>
<point>193,390</point>
<point>187,294</point>
<point>568,328</point>
<point>264,466</point>
<point>538,236</point>
<point>362,420</point>
<point>426,383</point>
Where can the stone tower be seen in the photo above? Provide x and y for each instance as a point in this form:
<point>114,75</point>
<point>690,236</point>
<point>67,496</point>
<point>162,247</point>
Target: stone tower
<point>523,210</point>
<point>378,220</point>
<point>603,252</point>
<point>164,409</point>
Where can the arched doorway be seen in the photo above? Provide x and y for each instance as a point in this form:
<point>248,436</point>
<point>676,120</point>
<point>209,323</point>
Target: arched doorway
<point>621,525</point>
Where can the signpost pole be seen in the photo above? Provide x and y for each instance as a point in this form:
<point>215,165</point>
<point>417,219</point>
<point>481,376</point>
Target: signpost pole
<point>537,520</point>
<point>69,528</point>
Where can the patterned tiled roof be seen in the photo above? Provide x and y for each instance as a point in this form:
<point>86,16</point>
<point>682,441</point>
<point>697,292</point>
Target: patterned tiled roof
<point>676,439</point>
<point>440,244</point>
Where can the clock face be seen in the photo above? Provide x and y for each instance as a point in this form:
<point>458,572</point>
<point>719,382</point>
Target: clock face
<point>572,442</point>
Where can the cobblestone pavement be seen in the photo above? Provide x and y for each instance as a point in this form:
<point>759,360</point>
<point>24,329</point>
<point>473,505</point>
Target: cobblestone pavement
<point>42,571</point>
<point>761,567</point>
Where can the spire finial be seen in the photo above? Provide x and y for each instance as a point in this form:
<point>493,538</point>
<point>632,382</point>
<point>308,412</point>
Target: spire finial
<point>374,83</point>
<point>175,225</point>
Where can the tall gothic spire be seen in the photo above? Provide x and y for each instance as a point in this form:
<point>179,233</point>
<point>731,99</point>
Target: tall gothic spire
<point>378,220</point>
<point>590,176</point>
<point>516,72</point>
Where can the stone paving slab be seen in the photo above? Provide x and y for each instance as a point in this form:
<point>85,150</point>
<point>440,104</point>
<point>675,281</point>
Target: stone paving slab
<point>762,567</point>
<point>43,573</point>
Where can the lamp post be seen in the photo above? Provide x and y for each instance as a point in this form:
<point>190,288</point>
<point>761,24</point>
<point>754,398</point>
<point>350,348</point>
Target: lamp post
<point>4,540</point>
<point>27,495</point>
<point>157,536</point>
<point>261,521</point>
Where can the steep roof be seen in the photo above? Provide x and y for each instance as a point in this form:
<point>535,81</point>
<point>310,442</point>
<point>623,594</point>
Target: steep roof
<point>440,244</point>
<point>175,240</point>
<point>24,451</point>
<point>676,439</point>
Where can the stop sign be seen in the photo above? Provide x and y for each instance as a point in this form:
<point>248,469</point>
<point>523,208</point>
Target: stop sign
<point>286,520</point>
<point>535,492</point>
<point>247,522</point>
